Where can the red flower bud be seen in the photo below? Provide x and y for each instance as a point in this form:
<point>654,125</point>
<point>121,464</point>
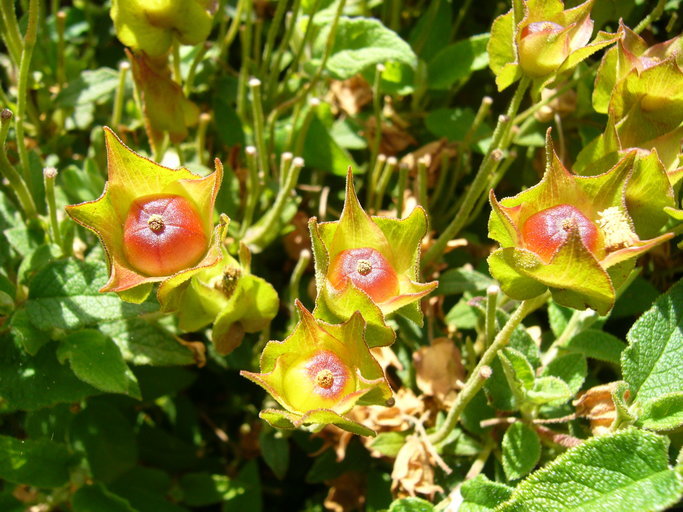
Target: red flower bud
<point>548,229</point>
<point>163,234</point>
<point>368,270</point>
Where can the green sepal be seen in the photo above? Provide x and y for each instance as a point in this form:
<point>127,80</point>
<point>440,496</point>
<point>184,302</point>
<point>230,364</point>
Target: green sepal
<point>151,26</point>
<point>295,389</point>
<point>131,176</point>
<point>289,421</point>
<point>398,240</point>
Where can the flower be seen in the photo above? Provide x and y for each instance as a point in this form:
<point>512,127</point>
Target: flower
<point>368,264</point>
<point>151,26</point>
<point>547,41</point>
<point>319,372</point>
<point>226,294</point>
<point>154,222</point>
<point>641,89</point>
<point>571,234</point>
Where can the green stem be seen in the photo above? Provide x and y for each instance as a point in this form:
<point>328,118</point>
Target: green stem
<point>252,189</point>
<point>461,17</point>
<point>402,183</point>
<point>307,33</point>
<point>270,38</point>
<point>10,173</point>
<point>177,76</point>
<point>11,34</point>
<point>486,169</point>
<point>60,75</point>
<point>491,308</point>
<point>422,165</point>
<point>22,85</point>
<point>654,15</point>
<point>383,182</point>
<point>477,378</point>
<point>120,95</point>
<point>204,120</point>
<point>274,71</point>
<point>259,131</point>
<point>372,179</point>
<point>313,104</point>
<point>377,114</point>
<point>189,80</point>
<point>295,280</point>
<point>234,26</point>
<point>49,177</point>
<point>268,222</point>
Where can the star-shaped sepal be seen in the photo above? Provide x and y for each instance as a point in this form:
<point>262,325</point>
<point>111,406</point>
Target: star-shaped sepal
<point>319,373</point>
<point>154,222</point>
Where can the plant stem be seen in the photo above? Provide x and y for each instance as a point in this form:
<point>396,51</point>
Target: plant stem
<point>377,115</point>
<point>234,26</point>
<point>252,189</point>
<point>297,273</point>
<point>11,34</point>
<point>259,132</point>
<point>402,183</point>
<point>177,76</point>
<point>270,38</point>
<point>10,173</point>
<point>60,74</point>
<point>268,222</point>
<point>371,182</point>
<point>383,182</point>
<point>124,66</point>
<point>313,104</point>
<point>22,85</point>
<point>422,165</point>
<point>189,80</point>
<point>487,167</point>
<point>491,308</point>
<point>204,120</point>
<point>478,377</point>
<point>654,15</point>
<point>274,71</point>
<point>49,176</point>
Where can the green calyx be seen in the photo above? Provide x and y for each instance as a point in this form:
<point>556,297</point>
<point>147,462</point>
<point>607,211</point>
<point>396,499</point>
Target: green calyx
<point>576,276</point>
<point>397,240</point>
<point>319,373</point>
<point>151,26</point>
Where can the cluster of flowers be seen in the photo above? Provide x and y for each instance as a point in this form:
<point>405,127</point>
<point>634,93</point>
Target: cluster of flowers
<point>156,225</point>
<point>578,235</point>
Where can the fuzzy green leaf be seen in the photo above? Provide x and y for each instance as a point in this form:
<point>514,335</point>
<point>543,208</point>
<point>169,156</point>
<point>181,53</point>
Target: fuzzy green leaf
<point>363,42</point>
<point>141,342</point>
<point>33,382</point>
<point>96,498</point>
<point>651,364</point>
<point>65,295</point>
<point>482,495</point>
<point>572,369</point>
<point>627,471</point>
<point>521,450</point>
<point>662,413</point>
<point>598,345</point>
<point>457,61</point>
<point>411,505</point>
<point>275,451</point>
<point>39,463</point>
<point>388,443</point>
<point>96,359</point>
<point>549,390</point>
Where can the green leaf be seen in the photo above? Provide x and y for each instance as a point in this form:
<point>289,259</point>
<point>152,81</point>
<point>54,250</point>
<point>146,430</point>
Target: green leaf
<point>96,498</point>
<point>65,295</point>
<point>598,345</point>
<point>363,42</point>
<point>518,367</point>
<point>141,343</point>
<point>388,443</point>
<point>662,413</point>
<point>482,495</point>
<point>411,505</point>
<point>39,463</point>
<point>651,363</point>
<point>92,86</point>
<point>24,333</point>
<point>549,390</point>
<point>454,123</point>
<point>572,369</point>
<point>460,280</point>
<point>30,383</point>
<point>96,360</point>
<point>457,61</point>
<point>558,316</point>
<point>202,489</point>
<point>275,451</point>
<point>627,471</point>
<point>521,450</point>
<point>324,152</point>
<point>107,438</point>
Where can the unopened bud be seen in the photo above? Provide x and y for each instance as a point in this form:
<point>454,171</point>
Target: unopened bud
<point>6,115</point>
<point>485,372</point>
<point>50,173</point>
